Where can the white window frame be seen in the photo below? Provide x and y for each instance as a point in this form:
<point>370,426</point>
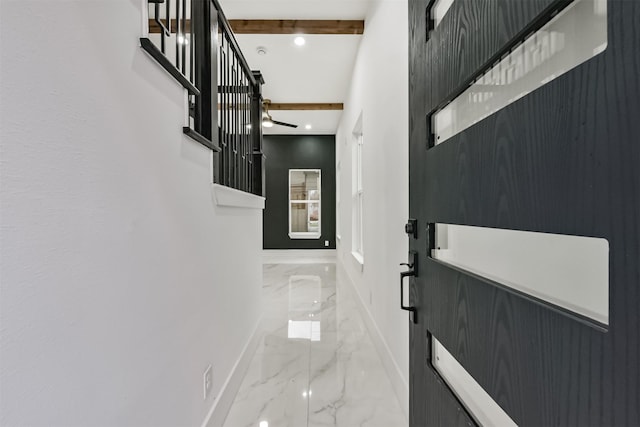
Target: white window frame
<point>306,234</point>
<point>357,202</point>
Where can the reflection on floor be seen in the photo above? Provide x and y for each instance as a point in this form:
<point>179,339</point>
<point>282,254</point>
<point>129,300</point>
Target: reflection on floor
<point>316,365</point>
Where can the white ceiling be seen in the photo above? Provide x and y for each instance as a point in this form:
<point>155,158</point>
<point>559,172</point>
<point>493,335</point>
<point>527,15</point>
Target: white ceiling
<point>319,71</point>
<point>314,72</point>
<point>322,122</point>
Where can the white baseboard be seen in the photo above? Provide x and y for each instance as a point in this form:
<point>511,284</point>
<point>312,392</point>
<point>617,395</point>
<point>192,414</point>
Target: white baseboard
<point>220,408</point>
<point>298,256</point>
<point>399,384</point>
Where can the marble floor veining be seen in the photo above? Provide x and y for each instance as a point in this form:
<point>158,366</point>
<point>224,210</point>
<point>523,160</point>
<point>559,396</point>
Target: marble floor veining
<point>316,365</point>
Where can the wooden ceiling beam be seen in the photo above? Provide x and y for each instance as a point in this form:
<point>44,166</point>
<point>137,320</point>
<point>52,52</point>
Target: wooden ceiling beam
<point>281,106</point>
<point>294,26</point>
<point>275,106</point>
<point>154,28</point>
<point>279,26</point>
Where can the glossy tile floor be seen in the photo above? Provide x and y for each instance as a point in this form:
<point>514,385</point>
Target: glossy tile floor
<point>316,365</point>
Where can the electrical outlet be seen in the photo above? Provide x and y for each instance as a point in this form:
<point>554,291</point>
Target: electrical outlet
<point>326,243</point>
<point>207,382</point>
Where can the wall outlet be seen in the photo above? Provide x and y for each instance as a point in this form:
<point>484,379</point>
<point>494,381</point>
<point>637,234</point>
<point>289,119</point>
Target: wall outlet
<point>326,243</point>
<point>207,382</point>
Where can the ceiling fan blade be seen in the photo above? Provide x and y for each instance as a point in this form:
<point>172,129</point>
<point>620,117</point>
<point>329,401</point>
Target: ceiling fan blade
<point>275,122</point>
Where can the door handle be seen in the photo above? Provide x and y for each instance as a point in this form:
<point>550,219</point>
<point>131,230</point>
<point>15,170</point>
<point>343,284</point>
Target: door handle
<point>409,273</point>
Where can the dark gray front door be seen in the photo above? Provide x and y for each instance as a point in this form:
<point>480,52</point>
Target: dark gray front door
<point>564,159</point>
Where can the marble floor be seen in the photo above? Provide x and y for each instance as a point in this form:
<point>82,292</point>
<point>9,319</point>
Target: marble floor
<point>316,365</point>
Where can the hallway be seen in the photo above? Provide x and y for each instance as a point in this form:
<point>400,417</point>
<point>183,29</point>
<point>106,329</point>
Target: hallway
<point>316,364</point>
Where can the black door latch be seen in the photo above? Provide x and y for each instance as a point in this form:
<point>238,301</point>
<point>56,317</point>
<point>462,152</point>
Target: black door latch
<point>411,228</point>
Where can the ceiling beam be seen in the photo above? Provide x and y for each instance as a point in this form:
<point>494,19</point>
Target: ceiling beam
<point>279,26</point>
<point>281,106</point>
<point>294,26</point>
<point>274,106</point>
<point>154,28</point>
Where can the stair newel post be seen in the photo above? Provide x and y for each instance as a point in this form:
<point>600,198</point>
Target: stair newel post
<point>204,31</point>
<point>259,182</point>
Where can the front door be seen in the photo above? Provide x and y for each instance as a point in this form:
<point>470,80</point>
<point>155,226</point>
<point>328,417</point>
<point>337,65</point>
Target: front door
<point>525,191</point>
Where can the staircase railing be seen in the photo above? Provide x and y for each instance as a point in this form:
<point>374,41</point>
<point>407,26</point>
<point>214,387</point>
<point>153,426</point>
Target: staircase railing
<point>193,41</point>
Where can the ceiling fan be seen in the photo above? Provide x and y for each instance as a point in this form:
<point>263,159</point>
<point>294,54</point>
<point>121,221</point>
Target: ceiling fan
<point>267,120</point>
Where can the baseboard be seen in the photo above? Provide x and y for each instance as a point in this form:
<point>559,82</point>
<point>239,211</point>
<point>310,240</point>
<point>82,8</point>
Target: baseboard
<point>222,404</point>
<point>298,256</point>
<point>400,386</point>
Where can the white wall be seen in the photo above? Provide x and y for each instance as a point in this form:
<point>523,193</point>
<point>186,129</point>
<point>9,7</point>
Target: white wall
<point>379,90</point>
<point>120,279</point>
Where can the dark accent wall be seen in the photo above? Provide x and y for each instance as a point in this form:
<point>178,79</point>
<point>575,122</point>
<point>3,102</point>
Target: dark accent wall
<point>286,152</point>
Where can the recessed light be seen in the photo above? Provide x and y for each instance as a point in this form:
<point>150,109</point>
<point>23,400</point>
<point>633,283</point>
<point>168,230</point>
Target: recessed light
<point>300,41</point>
<point>307,127</point>
<point>261,50</point>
